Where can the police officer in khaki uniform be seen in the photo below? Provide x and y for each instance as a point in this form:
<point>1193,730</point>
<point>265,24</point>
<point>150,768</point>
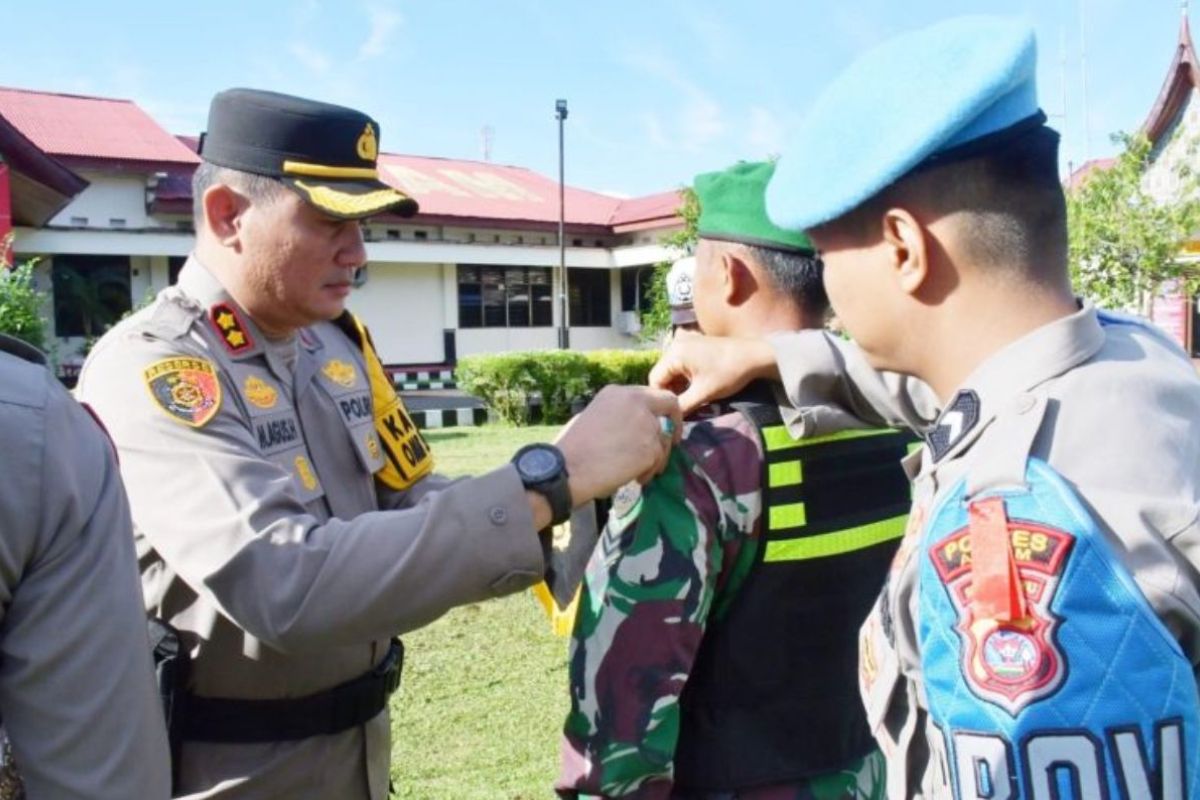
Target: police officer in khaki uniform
<point>286,517</point>
<point>1039,636</point>
<point>77,696</point>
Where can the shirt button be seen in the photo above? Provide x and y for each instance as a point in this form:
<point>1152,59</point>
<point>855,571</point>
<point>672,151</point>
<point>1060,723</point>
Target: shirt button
<point>498,515</point>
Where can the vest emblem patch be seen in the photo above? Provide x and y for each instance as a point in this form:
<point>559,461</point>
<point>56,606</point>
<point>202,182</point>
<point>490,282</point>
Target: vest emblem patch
<point>187,389</point>
<point>259,393</point>
<point>1009,663</point>
<point>340,372</point>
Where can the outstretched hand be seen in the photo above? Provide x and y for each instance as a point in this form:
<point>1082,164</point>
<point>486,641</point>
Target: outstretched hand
<point>622,435</point>
<point>701,369</point>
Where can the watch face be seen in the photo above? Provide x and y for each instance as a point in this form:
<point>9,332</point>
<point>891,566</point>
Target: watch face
<point>537,464</point>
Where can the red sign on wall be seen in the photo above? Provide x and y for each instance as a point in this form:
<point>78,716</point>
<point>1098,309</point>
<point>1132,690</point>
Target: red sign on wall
<point>1170,312</point>
<point>5,216</point>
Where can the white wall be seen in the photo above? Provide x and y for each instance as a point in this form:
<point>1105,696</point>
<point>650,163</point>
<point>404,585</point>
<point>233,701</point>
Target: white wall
<point>1161,179</point>
<point>402,305</point>
<point>472,341</point>
<point>109,197</point>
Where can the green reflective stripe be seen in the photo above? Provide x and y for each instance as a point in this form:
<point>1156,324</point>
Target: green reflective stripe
<point>836,542</point>
<point>915,446</point>
<point>787,515</point>
<point>777,437</point>
<point>785,473</point>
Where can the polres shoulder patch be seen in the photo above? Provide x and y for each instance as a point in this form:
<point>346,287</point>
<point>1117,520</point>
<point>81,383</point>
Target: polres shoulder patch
<point>186,388</point>
<point>1012,663</point>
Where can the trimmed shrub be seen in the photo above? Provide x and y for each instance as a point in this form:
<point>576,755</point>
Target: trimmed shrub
<point>541,386</point>
<point>627,367</point>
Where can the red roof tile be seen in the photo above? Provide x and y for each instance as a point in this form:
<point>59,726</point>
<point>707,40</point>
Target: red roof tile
<point>91,128</point>
<point>478,189</point>
<point>651,208</point>
<point>1183,77</point>
<point>1086,170</point>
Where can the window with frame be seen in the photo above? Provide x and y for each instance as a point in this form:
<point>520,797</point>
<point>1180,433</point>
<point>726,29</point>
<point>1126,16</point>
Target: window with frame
<point>636,283</point>
<point>591,297</point>
<point>504,297</point>
<point>91,293</point>
<point>174,267</point>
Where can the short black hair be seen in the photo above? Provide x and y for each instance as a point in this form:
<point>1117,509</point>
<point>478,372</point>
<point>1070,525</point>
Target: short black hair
<point>1012,193</point>
<point>799,275</point>
<point>258,188</point>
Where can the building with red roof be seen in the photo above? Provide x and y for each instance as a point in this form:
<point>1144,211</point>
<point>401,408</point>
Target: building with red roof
<point>476,270</point>
<point>1172,126</point>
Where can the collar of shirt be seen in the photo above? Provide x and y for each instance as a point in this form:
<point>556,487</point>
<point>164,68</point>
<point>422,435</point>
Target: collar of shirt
<point>1019,367</point>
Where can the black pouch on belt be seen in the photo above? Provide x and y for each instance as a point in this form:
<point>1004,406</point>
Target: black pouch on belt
<point>172,667</point>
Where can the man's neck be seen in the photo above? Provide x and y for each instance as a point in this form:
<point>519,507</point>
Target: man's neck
<point>965,337</point>
<point>763,319</point>
<point>232,278</point>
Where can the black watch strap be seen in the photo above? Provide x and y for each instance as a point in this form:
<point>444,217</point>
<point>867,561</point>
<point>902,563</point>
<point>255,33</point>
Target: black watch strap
<point>554,487</point>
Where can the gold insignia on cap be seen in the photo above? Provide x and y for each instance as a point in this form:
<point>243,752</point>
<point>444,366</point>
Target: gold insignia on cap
<point>340,372</point>
<point>368,145</point>
<point>259,392</point>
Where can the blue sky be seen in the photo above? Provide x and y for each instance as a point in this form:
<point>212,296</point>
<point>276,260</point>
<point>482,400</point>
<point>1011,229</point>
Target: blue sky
<point>658,89</point>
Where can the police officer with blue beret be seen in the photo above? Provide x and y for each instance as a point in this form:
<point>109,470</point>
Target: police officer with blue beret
<point>287,516</point>
<point>1039,634</point>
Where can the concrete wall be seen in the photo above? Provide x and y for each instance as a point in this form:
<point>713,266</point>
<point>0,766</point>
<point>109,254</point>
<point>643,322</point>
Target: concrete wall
<point>113,201</point>
<point>402,305</point>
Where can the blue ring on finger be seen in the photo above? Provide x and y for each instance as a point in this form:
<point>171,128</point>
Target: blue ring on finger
<point>667,426</point>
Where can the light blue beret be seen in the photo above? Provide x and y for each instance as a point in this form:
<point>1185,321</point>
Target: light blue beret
<point>917,97</point>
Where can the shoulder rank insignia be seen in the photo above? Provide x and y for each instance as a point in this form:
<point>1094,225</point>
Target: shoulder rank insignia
<point>187,389</point>
<point>340,372</point>
<point>227,322</point>
<point>259,393</point>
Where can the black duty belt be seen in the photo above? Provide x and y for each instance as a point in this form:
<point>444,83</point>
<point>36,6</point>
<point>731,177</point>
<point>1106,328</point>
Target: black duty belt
<point>216,719</point>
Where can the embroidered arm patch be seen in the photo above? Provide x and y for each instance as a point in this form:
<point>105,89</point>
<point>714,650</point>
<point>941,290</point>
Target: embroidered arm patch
<point>186,389</point>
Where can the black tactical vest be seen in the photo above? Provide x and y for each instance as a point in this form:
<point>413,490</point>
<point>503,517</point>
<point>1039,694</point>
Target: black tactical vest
<point>773,697</point>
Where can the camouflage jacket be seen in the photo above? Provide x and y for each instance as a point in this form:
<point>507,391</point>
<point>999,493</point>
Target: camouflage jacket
<point>670,559</point>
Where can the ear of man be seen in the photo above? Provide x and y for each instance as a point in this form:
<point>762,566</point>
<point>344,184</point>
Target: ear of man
<point>738,279</point>
<point>907,244</point>
<point>223,207</point>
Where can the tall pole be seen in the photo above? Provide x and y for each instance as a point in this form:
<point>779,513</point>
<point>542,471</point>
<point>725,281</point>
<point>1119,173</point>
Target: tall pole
<point>564,322</point>
<point>1087,127</point>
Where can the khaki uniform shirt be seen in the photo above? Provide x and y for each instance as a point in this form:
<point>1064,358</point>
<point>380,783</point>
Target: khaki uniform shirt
<point>1121,425</point>
<point>264,538</point>
<point>77,692</point>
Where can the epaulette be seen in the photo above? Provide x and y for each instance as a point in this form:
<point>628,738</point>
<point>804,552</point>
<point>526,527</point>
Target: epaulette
<point>22,350</point>
<point>172,315</point>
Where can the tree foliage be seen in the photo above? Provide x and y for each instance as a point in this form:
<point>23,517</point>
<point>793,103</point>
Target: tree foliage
<point>1124,243</point>
<point>656,319</point>
<point>21,303</point>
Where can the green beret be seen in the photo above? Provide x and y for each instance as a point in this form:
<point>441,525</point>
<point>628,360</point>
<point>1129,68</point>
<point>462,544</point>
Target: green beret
<point>733,208</point>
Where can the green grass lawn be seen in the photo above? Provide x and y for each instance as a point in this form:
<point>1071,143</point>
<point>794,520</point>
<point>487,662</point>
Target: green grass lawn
<point>483,695</point>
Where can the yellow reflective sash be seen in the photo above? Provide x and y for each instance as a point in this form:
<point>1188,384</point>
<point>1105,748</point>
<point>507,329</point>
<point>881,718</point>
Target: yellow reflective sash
<point>407,457</point>
<point>562,620</point>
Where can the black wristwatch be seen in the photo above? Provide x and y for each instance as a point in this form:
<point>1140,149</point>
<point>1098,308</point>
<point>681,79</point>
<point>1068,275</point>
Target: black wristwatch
<point>544,470</point>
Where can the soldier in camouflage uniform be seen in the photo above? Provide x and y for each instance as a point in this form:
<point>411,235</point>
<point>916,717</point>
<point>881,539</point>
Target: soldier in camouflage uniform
<point>713,656</point>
